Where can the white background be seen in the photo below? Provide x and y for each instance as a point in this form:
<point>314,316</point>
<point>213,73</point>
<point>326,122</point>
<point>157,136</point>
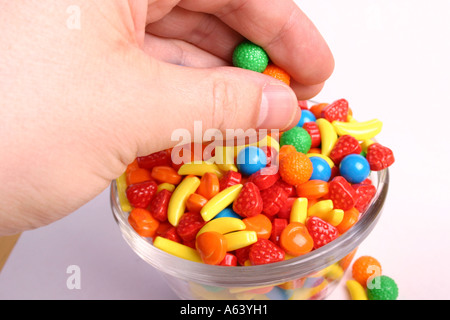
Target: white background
<point>392,64</point>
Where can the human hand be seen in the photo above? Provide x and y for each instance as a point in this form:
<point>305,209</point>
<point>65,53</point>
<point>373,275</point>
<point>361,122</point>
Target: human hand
<point>79,104</point>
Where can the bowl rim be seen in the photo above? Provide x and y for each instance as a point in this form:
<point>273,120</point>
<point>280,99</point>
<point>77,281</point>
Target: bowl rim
<point>261,275</point>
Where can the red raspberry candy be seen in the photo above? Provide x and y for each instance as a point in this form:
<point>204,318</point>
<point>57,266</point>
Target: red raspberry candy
<point>249,202</point>
<point>313,129</point>
<point>336,111</point>
<point>278,225</point>
<point>321,231</point>
<point>190,223</point>
<point>344,146</point>
<point>364,194</point>
<point>288,188</point>
<point>160,158</point>
<point>230,179</point>
<point>265,178</point>
<point>140,194</point>
<point>158,205</point>
<point>379,157</point>
<point>341,193</point>
<point>274,199</point>
<point>265,251</point>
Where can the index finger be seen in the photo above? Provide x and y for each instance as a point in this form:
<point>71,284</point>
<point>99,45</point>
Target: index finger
<point>281,28</point>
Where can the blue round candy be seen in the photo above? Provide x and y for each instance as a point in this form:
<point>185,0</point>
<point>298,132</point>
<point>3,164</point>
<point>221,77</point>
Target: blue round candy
<point>354,168</point>
<point>321,169</point>
<point>250,160</point>
<point>307,116</point>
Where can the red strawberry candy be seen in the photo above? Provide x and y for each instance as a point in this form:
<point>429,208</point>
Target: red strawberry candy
<point>341,193</point>
<point>313,129</point>
<point>242,254</point>
<point>379,157</point>
<point>158,205</point>
<point>140,194</point>
<point>160,158</point>
<point>249,202</point>
<point>336,111</point>
<point>190,223</point>
<point>229,179</point>
<point>364,194</point>
<point>321,231</point>
<point>344,146</point>
<point>265,251</point>
<point>265,178</point>
<point>274,199</point>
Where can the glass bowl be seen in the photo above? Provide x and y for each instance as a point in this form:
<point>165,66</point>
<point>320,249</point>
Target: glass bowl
<point>308,277</point>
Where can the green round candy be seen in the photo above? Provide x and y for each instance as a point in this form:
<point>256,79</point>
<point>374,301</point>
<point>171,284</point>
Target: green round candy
<point>382,288</point>
<point>248,55</point>
<point>297,137</point>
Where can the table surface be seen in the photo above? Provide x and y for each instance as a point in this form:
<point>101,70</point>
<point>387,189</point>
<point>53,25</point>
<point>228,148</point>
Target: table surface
<point>391,64</point>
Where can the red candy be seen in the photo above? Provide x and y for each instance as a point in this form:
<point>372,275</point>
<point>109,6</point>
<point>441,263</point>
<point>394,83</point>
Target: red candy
<point>266,178</point>
<point>265,251</point>
<point>190,223</point>
<point>344,146</point>
<point>336,111</point>
<point>230,179</point>
<point>158,205</point>
<point>321,231</point>
<point>274,199</point>
<point>364,195</point>
<point>341,193</point>
<point>140,194</point>
<point>313,129</point>
<point>161,158</point>
<point>379,157</point>
<point>249,202</point>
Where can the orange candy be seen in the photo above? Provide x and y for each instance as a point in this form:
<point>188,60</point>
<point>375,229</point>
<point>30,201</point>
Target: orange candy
<point>261,224</point>
<point>296,168</point>
<point>138,175</point>
<point>364,267</point>
<point>209,185</point>
<point>312,189</point>
<point>285,150</point>
<point>351,216</point>
<point>317,109</point>
<point>195,202</point>
<point>212,247</point>
<point>166,174</point>
<point>295,239</point>
<point>143,222</point>
<point>277,73</point>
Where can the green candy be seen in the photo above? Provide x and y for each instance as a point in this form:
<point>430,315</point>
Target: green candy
<point>382,288</point>
<point>248,55</point>
<point>297,137</point>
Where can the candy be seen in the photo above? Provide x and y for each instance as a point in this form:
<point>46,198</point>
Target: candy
<point>365,267</point>
<point>189,225</point>
<point>296,168</point>
<point>209,185</point>
<point>337,110</point>
<point>265,178</point>
<point>250,160</point>
<point>385,289</point>
<point>379,157</point>
<point>140,194</point>
<point>321,231</point>
<point>341,193</point>
<point>240,239</point>
<point>165,186</point>
<point>138,175</point>
<point>328,136</point>
<point>227,212</point>
<point>364,194</point>
<point>359,130</point>
<point>297,137</point>
<point>249,202</point>
<point>299,211</point>
<point>348,220</point>
<point>199,169</point>
<point>277,73</point>
<point>177,203</point>
<point>143,222</point>
<point>354,168</point>
<point>265,251</point>
<point>248,55</point>
<point>121,191</point>
<point>356,290</point>
<point>312,189</point>
<point>212,247</point>
<point>177,249</point>
<point>313,130</point>
<point>220,201</point>
<point>166,174</point>
<point>223,225</point>
<point>229,179</point>
<point>160,158</point>
<point>344,146</point>
<point>295,239</point>
<point>159,204</point>
<point>273,199</point>
<point>321,169</point>
<point>306,117</point>
<point>195,202</point>
<point>261,224</point>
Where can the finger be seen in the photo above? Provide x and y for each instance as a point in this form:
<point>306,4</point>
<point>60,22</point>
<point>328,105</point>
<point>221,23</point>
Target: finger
<point>281,28</point>
<point>179,52</point>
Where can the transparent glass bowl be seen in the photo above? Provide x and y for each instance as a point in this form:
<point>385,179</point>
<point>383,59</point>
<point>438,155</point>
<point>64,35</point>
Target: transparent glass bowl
<point>310,276</point>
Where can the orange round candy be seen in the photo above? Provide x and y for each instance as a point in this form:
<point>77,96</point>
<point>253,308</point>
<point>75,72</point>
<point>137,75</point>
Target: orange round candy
<point>212,247</point>
<point>277,73</point>
<point>261,224</point>
<point>296,168</point>
<point>364,267</point>
<point>209,185</point>
<point>295,239</point>
<point>285,150</point>
<point>312,189</point>
<point>143,222</point>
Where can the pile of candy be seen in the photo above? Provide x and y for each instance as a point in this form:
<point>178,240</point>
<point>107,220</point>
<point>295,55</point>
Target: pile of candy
<point>368,283</point>
<point>267,202</point>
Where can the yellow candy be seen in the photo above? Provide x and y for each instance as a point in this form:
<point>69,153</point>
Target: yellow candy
<point>332,272</point>
<point>324,157</point>
<point>227,167</point>
<point>240,239</point>
<point>220,201</point>
<point>328,135</point>
<point>299,211</point>
<point>223,225</point>
<point>306,293</point>
<point>320,208</point>
<point>366,143</point>
<point>177,203</point>
<point>177,249</point>
<point>199,169</point>
<point>165,186</point>
<point>334,217</point>
<point>359,130</point>
<point>121,183</point>
<point>356,290</point>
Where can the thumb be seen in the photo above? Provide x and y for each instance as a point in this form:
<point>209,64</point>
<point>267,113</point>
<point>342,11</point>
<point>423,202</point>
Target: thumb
<point>170,97</point>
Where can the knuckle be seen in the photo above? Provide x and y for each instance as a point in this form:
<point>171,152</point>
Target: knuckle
<point>224,104</point>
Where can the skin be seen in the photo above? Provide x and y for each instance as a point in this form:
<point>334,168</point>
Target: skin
<point>79,104</point>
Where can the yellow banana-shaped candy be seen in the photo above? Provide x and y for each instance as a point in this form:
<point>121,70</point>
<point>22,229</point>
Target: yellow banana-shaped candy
<point>359,130</point>
<point>199,169</point>
<point>240,239</point>
<point>356,290</point>
<point>324,157</point>
<point>177,203</point>
<point>177,249</point>
<point>220,201</point>
<point>328,135</point>
<point>223,225</point>
<point>121,183</point>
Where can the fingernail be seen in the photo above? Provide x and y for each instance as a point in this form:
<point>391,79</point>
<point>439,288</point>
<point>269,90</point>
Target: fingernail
<point>279,108</point>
